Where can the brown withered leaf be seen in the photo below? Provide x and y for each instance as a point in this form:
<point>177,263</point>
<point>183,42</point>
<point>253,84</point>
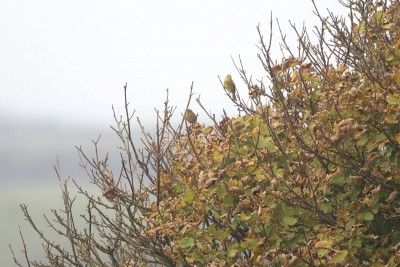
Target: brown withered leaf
<point>211,181</point>
<point>358,131</point>
<point>202,179</point>
<point>345,125</point>
<point>223,125</point>
<point>255,91</point>
<point>259,211</point>
<point>274,184</point>
<point>289,63</point>
<point>111,193</point>
<point>247,179</point>
<point>331,73</point>
<point>208,130</point>
<point>241,207</point>
<point>233,189</point>
<point>277,68</point>
<point>107,175</point>
<point>256,189</point>
<point>335,137</point>
<point>392,197</point>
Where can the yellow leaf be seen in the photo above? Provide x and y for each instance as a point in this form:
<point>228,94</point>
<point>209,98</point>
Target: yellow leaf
<point>295,77</point>
<point>397,77</point>
<point>340,257</point>
<point>392,197</point>
<point>397,138</point>
<point>387,26</point>
<point>323,244</point>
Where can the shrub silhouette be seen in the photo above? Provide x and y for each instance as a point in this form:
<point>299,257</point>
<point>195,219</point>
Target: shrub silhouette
<point>308,175</point>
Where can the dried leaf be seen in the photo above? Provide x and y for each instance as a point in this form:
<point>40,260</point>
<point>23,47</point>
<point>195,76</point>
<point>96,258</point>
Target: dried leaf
<point>111,193</point>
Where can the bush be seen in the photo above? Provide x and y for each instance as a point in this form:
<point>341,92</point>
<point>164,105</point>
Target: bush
<point>307,176</point>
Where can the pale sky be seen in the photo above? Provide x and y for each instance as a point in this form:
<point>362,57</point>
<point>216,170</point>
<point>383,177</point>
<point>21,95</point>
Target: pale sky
<point>68,60</point>
<point>64,63</point>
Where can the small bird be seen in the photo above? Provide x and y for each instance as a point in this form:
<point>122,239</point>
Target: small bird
<point>230,86</point>
<point>190,117</point>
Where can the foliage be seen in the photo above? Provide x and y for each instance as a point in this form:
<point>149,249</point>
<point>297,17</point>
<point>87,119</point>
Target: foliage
<point>307,176</point>
<point>309,179</point>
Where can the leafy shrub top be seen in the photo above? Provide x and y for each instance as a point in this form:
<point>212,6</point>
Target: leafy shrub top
<point>309,179</point>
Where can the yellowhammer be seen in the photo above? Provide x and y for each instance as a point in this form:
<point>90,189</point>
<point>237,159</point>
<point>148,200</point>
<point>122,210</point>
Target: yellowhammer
<point>190,117</point>
<point>230,86</point>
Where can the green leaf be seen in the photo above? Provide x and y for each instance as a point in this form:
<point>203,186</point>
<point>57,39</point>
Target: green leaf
<point>338,179</point>
<point>393,100</point>
<point>218,234</point>
<point>178,188</point>
<point>312,125</point>
<point>221,190</point>
<point>371,147</point>
<point>326,207</point>
<point>340,257</point>
<point>380,138</point>
<point>361,28</point>
<point>397,77</point>
<point>391,119</point>
<point>357,243</point>
<point>289,220</point>
<point>265,142</point>
<point>322,252</point>
<point>367,215</point>
<point>248,218</point>
<point>260,175</point>
<point>315,95</point>
<point>277,171</point>
<point>229,200</point>
<point>378,16</point>
<point>189,195</point>
<point>363,140</point>
<point>232,250</point>
<point>251,243</point>
<point>186,242</point>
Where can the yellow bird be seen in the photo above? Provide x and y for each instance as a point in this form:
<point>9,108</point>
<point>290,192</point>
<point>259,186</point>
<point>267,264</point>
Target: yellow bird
<point>190,117</point>
<point>230,86</point>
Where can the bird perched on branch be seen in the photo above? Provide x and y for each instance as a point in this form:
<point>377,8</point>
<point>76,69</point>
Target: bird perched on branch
<point>190,117</point>
<point>230,86</point>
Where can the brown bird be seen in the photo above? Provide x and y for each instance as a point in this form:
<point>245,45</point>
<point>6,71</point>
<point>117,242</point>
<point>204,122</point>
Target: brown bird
<point>190,117</point>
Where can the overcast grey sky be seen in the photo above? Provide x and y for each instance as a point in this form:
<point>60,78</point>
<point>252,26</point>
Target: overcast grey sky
<point>68,61</point>
<point>64,63</point>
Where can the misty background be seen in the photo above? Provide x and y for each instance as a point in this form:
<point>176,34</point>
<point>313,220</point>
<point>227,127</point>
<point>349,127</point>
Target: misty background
<point>63,65</point>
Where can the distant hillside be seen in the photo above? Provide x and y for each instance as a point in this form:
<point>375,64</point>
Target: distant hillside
<point>30,148</point>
